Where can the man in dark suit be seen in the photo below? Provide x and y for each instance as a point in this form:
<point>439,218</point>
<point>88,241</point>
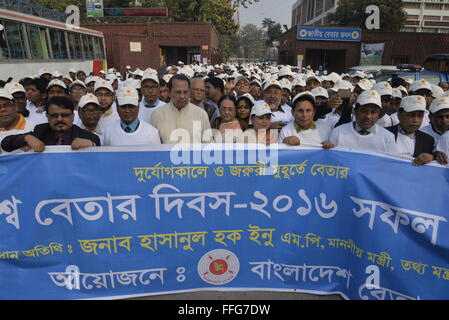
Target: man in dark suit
<point>59,130</point>
<point>409,140</point>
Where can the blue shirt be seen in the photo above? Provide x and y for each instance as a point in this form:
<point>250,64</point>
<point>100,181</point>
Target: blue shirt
<point>133,125</point>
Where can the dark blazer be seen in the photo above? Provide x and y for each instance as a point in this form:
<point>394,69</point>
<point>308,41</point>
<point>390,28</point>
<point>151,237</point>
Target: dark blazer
<point>46,134</point>
<point>424,143</point>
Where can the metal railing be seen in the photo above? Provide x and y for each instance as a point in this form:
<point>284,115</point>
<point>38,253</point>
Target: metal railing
<point>32,9</point>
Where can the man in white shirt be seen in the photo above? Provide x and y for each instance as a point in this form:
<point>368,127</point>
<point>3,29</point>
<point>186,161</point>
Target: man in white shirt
<point>180,121</point>
<point>282,114</point>
<point>386,95</point>
<point>106,97</point>
<point>303,130</point>
<point>439,118</point>
<point>443,146</point>
<point>89,114</point>
<point>129,130</point>
<point>11,122</point>
<point>36,93</point>
<point>409,140</point>
<point>364,133</point>
<point>150,89</point>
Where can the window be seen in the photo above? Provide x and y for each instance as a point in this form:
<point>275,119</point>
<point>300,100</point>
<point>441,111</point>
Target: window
<point>14,38</point>
<point>98,48</point>
<point>76,51</point>
<point>38,42</point>
<point>58,44</point>
<point>88,48</point>
<point>432,78</point>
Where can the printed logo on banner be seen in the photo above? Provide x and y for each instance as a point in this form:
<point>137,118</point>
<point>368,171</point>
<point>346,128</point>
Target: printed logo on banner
<point>218,267</point>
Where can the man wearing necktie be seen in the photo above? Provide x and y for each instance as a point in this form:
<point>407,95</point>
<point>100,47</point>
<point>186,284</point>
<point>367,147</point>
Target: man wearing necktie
<point>364,133</point>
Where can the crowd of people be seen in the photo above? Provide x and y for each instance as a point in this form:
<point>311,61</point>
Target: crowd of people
<point>227,103</point>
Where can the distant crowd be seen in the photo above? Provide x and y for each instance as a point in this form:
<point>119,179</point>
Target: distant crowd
<point>226,103</point>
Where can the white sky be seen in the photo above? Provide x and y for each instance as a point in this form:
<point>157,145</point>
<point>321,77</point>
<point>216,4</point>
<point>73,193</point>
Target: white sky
<point>278,10</point>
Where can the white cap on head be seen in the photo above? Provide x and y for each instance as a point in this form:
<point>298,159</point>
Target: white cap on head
<point>127,96</point>
<point>77,82</point>
<point>303,94</point>
<point>286,84</point>
<point>437,91</point>
<point>272,83</point>
<point>313,77</point>
<point>413,103</point>
<point>439,104</point>
<point>420,84</point>
<point>320,92</point>
<point>384,88</point>
<point>89,79</point>
<point>56,74</point>
<point>14,87</point>
<point>150,76</point>
<point>43,71</point>
<point>103,84</point>
<point>56,82</point>
<point>4,93</point>
<point>128,67</point>
<point>299,82</point>
<point>364,84</point>
<point>240,77</point>
<point>403,90</point>
<point>88,98</point>
<point>397,93</point>
<point>247,96</point>
<point>167,77</point>
<point>369,97</point>
<point>72,70</point>
<point>359,74</point>
<point>260,108</point>
<point>342,84</point>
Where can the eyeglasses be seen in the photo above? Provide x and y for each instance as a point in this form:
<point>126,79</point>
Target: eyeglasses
<point>78,90</point>
<point>57,115</point>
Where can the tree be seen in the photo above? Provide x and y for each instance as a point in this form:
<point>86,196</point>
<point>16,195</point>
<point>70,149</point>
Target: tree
<point>352,13</point>
<point>252,41</point>
<point>274,30</point>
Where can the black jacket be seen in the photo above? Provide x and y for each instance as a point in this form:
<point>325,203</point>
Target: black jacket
<point>46,134</point>
<point>424,143</point>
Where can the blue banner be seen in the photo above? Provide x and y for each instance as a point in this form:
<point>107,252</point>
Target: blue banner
<point>329,34</point>
<point>119,224</point>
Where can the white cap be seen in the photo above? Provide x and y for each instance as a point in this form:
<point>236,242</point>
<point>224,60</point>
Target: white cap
<point>132,83</point>
<point>320,92</point>
<point>439,104</point>
<point>43,71</point>
<point>56,82</point>
<point>128,67</point>
<point>286,71</point>
<point>4,93</point>
<point>299,82</point>
<point>103,84</point>
<point>240,77</point>
<point>248,96</point>
<point>128,96</point>
<point>89,79</point>
<point>286,84</point>
<point>437,91</point>
<point>138,72</point>
<point>256,82</point>
<point>342,84</point>
<point>397,93</point>
<point>72,70</point>
<point>111,77</point>
<point>260,108</point>
<point>413,103</point>
<point>180,62</point>
<point>364,84</point>
<point>420,84</point>
<point>14,87</point>
<point>313,77</point>
<point>302,94</point>
<point>77,82</point>
<point>369,97</point>
<point>271,83</point>
<point>88,98</point>
<point>56,74</point>
<point>403,90</point>
<point>384,88</point>
<point>167,77</point>
<point>359,74</point>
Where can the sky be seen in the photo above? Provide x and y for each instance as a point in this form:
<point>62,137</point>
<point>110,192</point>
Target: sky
<point>278,10</point>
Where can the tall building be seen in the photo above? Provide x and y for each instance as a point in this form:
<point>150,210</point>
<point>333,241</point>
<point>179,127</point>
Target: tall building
<point>422,15</point>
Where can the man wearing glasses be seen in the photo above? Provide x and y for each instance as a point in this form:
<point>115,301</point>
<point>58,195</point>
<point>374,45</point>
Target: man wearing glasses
<point>106,97</point>
<point>180,121</point>
<point>59,130</point>
<point>11,121</point>
<point>129,130</point>
<point>150,89</point>
<point>90,113</point>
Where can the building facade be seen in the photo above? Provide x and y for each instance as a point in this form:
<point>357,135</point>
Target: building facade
<point>422,15</point>
<point>159,44</point>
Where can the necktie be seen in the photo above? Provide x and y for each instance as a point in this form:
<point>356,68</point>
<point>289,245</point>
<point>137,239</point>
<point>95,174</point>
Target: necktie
<point>59,141</point>
<point>127,129</point>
